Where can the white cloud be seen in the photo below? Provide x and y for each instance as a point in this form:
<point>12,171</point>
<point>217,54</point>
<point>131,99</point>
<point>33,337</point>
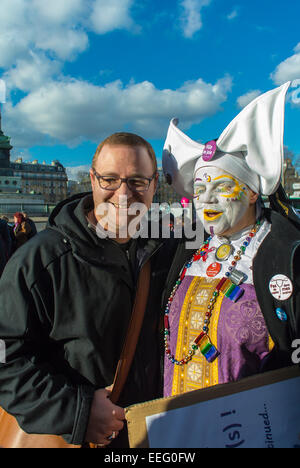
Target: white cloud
<point>110,15</point>
<point>11,48</point>
<point>73,111</point>
<point>65,44</point>
<point>14,38</point>
<point>58,11</point>
<point>244,100</point>
<point>31,73</point>
<point>37,36</point>
<point>34,25</point>
<point>289,69</point>
<point>233,15</point>
<point>191,19</point>
<point>56,28</point>
<point>12,13</point>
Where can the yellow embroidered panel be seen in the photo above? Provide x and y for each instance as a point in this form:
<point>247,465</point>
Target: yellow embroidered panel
<point>198,373</point>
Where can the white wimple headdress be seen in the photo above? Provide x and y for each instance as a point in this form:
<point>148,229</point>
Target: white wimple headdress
<point>250,148</point>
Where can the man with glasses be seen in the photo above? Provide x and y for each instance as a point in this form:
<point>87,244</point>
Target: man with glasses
<point>113,194</point>
<point>67,299</point>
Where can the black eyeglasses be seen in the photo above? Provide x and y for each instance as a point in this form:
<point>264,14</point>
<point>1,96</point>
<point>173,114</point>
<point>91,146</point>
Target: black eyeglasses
<point>135,184</point>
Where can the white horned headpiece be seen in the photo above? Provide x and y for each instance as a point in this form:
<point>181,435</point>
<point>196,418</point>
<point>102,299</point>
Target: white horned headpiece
<point>250,148</point>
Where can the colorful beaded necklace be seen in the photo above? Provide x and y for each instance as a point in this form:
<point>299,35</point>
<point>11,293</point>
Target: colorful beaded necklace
<point>229,286</point>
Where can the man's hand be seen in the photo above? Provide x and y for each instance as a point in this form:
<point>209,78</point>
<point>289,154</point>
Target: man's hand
<point>106,419</point>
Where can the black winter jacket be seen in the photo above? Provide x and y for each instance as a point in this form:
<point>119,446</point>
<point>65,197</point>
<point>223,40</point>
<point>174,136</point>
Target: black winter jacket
<point>66,300</point>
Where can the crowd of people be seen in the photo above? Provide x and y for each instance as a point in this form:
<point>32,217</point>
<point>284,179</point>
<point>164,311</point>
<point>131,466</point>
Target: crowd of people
<point>14,235</point>
<point>213,315</point>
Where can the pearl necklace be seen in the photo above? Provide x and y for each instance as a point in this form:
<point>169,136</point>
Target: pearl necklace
<point>229,286</point>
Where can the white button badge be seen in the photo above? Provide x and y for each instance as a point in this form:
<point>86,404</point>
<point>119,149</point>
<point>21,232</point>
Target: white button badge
<point>281,287</point>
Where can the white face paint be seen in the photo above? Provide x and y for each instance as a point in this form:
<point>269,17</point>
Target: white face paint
<point>220,199</point>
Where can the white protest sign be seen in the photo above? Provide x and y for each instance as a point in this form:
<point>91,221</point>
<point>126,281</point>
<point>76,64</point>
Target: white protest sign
<point>266,417</point>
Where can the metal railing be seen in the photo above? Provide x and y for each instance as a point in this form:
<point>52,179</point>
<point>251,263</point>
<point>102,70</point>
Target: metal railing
<point>30,208</point>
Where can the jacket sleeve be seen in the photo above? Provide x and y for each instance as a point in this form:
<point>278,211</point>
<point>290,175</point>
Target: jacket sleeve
<point>42,398</point>
<point>2,255</point>
<point>5,234</point>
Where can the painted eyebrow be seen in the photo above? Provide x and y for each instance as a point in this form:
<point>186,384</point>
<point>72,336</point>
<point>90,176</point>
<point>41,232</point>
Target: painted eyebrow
<point>220,178</point>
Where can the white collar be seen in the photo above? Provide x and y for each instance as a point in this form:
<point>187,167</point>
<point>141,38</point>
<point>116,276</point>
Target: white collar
<point>245,264</point>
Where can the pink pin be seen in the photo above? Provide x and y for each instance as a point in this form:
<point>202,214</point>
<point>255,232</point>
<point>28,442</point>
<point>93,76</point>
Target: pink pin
<point>185,202</point>
<point>209,151</point>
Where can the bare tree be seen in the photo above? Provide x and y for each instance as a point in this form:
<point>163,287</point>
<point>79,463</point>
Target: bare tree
<point>82,184</point>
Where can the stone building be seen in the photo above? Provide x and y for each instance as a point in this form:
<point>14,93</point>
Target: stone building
<point>291,179</point>
<point>50,181</point>
<point>47,180</point>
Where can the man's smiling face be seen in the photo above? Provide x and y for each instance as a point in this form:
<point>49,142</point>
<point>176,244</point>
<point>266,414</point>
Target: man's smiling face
<point>115,162</point>
<point>223,202</point>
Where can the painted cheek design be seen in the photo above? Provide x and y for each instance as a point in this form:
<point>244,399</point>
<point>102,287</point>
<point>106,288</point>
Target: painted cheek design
<point>220,203</point>
<point>232,192</point>
<point>238,193</point>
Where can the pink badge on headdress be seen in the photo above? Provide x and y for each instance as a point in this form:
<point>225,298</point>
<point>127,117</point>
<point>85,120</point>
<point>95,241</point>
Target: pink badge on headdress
<point>185,202</point>
<point>209,151</point>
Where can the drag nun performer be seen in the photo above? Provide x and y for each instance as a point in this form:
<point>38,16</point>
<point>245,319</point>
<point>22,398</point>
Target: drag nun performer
<point>232,308</point>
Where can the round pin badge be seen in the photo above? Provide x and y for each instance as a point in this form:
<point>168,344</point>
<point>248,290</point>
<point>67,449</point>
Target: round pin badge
<point>209,151</point>
<point>224,252</point>
<point>213,270</point>
<point>281,287</point>
<point>281,314</point>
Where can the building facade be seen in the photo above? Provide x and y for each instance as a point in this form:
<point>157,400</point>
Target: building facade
<point>49,181</point>
<point>291,179</point>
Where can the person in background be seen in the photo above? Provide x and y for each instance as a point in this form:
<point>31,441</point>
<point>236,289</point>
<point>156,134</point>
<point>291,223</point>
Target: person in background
<point>22,230</point>
<point>32,225</point>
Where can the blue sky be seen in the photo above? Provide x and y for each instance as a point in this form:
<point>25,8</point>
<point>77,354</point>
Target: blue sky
<point>79,70</point>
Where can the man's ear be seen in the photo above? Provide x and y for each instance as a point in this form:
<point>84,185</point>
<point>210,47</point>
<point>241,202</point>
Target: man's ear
<point>156,181</point>
<point>92,177</point>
